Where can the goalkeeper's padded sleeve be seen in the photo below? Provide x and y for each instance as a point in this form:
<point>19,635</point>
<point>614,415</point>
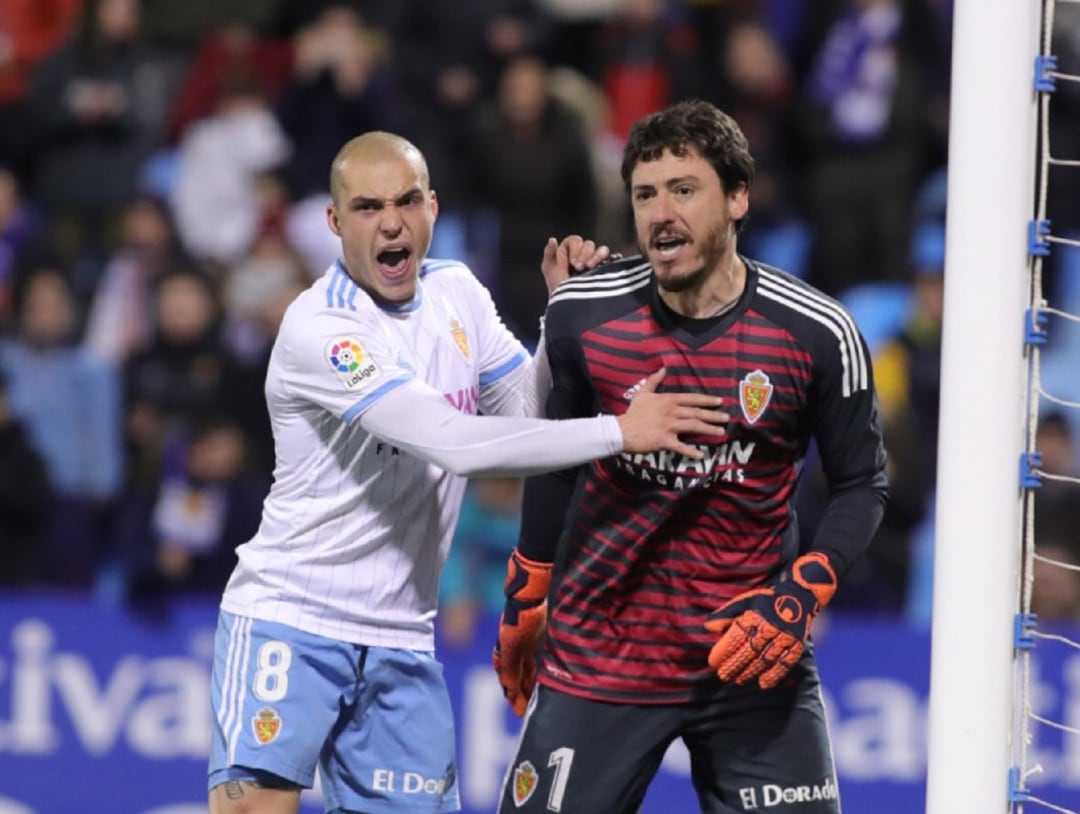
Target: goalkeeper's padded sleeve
<point>763,631</point>
<point>520,628</point>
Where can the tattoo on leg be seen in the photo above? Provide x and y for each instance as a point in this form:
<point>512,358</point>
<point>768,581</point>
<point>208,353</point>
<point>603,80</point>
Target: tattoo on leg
<point>234,789</point>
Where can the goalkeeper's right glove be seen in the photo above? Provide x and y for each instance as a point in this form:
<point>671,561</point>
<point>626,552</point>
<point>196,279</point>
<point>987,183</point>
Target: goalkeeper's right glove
<point>763,632</point>
<point>520,628</point>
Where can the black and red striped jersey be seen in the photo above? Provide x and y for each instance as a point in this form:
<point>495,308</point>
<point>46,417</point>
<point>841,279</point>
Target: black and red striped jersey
<point>651,544</point>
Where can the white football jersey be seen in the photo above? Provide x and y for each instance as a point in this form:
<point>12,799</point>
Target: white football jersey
<point>355,532</point>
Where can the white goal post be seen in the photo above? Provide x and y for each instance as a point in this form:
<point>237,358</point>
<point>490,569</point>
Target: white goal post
<point>977,557</point>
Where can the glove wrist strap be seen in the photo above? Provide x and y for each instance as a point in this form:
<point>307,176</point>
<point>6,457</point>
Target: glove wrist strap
<point>527,581</point>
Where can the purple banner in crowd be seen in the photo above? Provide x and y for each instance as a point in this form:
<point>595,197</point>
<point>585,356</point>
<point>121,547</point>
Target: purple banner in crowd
<point>104,711</point>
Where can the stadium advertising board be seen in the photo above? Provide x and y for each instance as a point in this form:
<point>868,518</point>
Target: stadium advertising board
<point>109,711</point>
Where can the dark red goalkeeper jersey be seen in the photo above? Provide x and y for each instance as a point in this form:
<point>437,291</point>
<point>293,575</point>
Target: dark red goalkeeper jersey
<point>649,545</point>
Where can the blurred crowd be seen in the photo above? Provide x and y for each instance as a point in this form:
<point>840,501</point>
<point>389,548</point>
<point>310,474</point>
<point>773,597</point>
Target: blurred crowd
<point>163,182</point>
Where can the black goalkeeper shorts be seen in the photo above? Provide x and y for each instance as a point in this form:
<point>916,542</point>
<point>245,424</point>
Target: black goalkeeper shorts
<point>750,750</point>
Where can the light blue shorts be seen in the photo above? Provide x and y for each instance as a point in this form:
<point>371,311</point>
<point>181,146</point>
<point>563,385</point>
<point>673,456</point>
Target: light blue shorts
<point>376,721</point>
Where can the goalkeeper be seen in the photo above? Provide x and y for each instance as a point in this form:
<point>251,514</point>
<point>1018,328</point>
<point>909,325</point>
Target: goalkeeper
<point>675,597</point>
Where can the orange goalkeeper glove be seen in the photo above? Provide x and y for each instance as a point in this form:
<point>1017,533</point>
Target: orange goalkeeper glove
<point>520,627</point>
<point>763,631</point>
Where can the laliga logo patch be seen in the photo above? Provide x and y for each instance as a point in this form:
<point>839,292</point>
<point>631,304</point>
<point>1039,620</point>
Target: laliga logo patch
<point>266,724</point>
<point>345,355</point>
<point>525,781</point>
<point>755,391</point>
<point>461,339</point>
<point>347,359</point>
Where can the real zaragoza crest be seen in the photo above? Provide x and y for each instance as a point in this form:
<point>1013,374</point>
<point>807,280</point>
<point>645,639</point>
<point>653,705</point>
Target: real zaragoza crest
<point>525,780</point>
<point>755,391</point>
<point>461,339</point>
<point>266,725</point>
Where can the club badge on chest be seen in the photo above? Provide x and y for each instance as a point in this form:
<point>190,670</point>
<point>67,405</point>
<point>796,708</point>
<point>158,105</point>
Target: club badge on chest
<point>461,339</point>
<point>755,392</point>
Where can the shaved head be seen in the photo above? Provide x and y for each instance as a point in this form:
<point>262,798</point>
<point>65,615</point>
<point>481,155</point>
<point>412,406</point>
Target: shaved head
<point>383,209</point>
<point>371,147</point>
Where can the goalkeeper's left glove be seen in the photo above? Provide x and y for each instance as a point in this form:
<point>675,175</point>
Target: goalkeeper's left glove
<point>521,626</point>
<point>763,631</point>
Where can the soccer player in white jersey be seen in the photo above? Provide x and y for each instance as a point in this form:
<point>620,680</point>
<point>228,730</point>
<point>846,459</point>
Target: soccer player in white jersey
<point>324,647</point>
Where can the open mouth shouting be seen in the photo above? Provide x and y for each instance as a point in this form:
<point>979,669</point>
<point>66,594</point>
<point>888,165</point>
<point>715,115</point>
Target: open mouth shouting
<point>668,247</point>
<point>393,261</point>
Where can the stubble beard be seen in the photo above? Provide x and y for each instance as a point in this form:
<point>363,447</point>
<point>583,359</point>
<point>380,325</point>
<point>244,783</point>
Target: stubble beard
<point>713,248</point>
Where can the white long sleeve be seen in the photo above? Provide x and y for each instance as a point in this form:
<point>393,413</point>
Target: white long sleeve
<point>415,418</point>
<point>524,391</point>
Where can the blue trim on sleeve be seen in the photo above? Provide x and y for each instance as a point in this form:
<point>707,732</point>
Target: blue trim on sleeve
<point>373,396</point>
<point>490,376</point>
<point>339,285</point>
<point>330,286</point>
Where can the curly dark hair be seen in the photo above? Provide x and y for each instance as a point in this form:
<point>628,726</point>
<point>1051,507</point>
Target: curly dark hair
<point>693,125</point>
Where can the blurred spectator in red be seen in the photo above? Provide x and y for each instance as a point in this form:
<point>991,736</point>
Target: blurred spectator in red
<point>99,104</point>
<point>532,167</point>
<point>70,403</point>
<point>646,57</point>
<point>29,30</point>
<point>25,500</point>
<point>234,48</point>
<point>642,56</point>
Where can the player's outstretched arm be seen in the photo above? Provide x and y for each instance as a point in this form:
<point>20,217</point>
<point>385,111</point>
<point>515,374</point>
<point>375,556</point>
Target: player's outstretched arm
<point>415,418</point>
